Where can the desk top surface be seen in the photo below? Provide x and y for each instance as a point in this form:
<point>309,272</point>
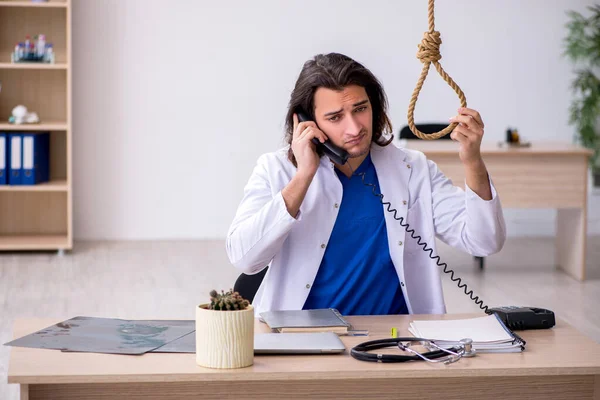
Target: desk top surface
<point>445,147</point>
<point>561,350</point>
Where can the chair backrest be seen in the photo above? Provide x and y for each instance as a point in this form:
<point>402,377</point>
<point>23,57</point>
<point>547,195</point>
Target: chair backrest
<point>247,285</point>
<point>406,133</point>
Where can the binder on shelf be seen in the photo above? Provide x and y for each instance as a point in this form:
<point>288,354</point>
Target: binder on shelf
<point>3,158</point>
<point>14,172</point>
<point>36,158</point>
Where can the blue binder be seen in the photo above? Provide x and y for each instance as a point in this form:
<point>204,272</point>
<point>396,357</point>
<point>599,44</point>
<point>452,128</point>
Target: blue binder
<point>15,156</point>
<point>36,158</point>
<point>3,158</point>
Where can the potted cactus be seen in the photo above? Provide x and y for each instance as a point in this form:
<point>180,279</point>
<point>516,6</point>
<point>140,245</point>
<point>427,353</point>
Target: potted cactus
<point>225,331</point>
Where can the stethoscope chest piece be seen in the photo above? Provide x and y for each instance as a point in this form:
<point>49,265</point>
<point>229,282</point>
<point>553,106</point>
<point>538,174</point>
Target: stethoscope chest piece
<point>468,346</point>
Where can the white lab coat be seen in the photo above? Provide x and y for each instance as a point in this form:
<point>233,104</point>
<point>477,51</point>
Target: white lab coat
<point>264,233</point>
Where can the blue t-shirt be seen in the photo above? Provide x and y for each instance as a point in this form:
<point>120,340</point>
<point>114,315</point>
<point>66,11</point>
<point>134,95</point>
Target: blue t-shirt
<point>357,275</point>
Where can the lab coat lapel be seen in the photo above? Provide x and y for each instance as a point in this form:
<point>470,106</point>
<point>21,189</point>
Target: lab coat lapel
<point>394,173</point>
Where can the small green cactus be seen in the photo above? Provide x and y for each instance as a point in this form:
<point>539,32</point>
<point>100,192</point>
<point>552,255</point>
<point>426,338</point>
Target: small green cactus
<point>227,301</point>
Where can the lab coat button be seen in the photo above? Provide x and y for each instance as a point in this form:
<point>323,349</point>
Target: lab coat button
<point>404,202</point>
<point>336,205</point>
<point>407,165</point>
<point>308,286</point>
<point>323,245</point>
<point>400,243</point>
<point>402,284</point>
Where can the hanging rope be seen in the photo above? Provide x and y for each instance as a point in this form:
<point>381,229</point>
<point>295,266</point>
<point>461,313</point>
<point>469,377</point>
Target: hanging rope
<point>429,52</point>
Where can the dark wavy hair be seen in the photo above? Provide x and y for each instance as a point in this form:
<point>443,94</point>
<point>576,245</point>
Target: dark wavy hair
<point>336,71</point>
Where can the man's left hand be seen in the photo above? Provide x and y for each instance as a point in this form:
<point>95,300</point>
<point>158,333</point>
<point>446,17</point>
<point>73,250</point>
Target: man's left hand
<point>468,133</point>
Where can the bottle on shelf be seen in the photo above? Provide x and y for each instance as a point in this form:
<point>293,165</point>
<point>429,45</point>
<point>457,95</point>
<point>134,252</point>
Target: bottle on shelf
<point>17,52</point>
<point>41,46</point>
<point>49,54</point>
<point>27,45</point>
<point>37,50</point>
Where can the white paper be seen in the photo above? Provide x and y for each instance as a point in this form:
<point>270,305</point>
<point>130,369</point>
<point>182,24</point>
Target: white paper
<point>487,333</point>
<point>481,329</point>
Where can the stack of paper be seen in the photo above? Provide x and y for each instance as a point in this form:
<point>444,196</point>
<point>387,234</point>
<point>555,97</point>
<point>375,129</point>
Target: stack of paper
<point>488,333</point>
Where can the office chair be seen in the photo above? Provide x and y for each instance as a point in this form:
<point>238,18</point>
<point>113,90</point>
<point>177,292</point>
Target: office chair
<point>247,285</point>
<point>406,133</point>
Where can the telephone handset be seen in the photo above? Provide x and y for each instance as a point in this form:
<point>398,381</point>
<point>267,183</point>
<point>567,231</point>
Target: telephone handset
<point>336,154</point>
<point>516,318</point>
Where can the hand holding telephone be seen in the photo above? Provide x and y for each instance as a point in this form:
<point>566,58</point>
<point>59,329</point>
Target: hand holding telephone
<point>336,154</point>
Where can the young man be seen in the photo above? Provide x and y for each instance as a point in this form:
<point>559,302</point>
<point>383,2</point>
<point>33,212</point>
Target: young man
<point>327,239</point>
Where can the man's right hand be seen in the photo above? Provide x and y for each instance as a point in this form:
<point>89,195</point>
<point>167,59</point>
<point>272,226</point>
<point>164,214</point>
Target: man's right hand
<point>303,147</point>
<point>307,160</point>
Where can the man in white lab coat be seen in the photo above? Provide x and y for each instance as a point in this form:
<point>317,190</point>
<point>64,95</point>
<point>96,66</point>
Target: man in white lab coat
<point>328,239</point>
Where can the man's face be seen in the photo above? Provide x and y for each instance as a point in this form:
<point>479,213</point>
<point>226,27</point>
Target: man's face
<point>346,117</point>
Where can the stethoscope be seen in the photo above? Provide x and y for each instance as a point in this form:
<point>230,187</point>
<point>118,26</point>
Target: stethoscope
<point>445,355</point>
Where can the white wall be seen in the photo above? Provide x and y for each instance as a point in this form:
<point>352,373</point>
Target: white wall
<point>174,101</point>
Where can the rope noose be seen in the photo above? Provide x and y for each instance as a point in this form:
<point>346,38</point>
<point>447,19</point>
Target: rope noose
<point>429,52</point>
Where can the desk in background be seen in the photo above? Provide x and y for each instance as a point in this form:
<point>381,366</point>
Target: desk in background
<point>558,363</point>
<point>545,175</point>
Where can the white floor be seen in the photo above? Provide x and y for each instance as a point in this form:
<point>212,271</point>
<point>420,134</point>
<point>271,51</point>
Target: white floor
<point>167,280</point>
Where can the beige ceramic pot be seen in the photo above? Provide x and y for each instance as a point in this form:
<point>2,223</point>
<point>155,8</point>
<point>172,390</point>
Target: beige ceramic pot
<point>224,339</point>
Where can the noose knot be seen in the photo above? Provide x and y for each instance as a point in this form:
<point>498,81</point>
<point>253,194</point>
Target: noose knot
<point>429,48</point>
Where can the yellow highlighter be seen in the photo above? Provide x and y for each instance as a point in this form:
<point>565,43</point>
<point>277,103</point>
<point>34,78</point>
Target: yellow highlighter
<point>394,332</point>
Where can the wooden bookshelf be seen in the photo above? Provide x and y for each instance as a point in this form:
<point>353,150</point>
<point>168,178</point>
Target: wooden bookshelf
<point>38,217</point>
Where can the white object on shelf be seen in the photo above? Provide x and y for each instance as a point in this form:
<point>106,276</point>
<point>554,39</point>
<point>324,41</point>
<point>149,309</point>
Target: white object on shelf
<point>20,115</point>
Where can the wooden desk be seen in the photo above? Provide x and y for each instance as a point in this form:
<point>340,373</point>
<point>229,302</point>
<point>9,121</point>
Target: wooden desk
<point>545,175</point>
<point>558,363</point>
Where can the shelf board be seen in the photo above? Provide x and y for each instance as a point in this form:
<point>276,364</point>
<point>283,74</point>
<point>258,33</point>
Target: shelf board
<point>33,66</point>
<point>52,186</point>
<point>46,126</point>
<point>50,4</point>
<point>34,242</point>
